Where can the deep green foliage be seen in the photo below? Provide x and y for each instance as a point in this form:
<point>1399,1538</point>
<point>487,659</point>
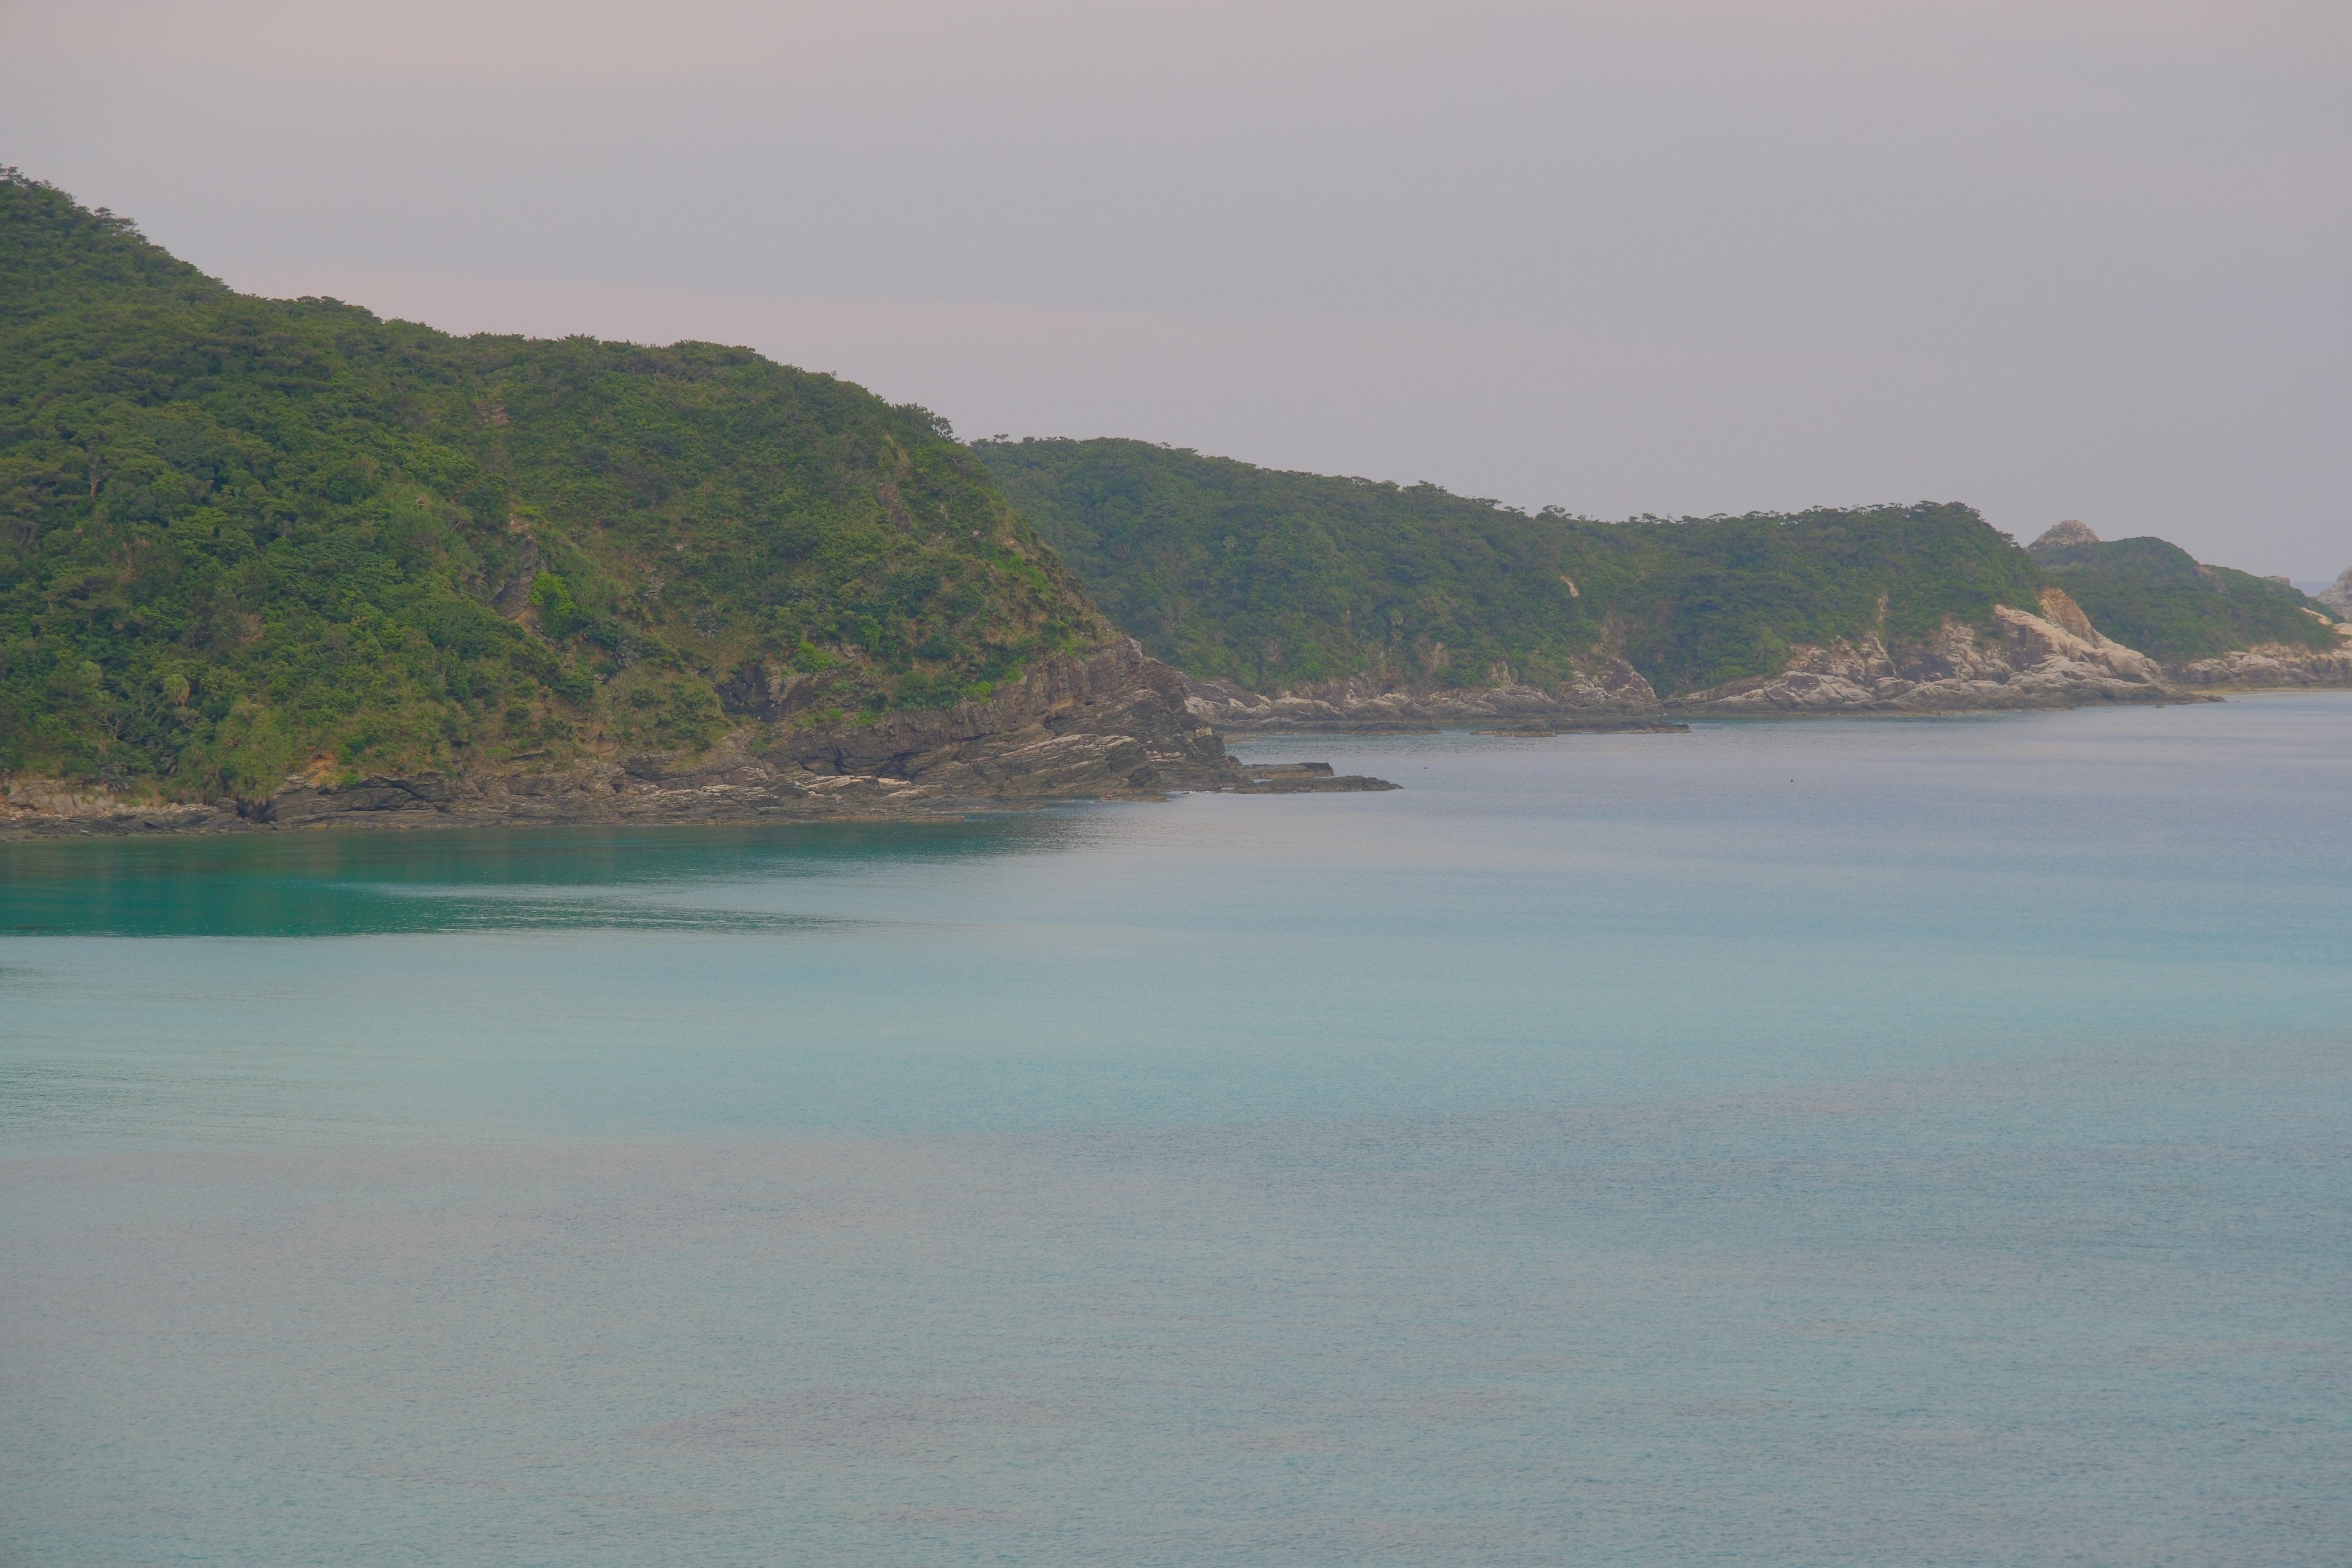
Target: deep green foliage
<point>1268,578</point>
<point>1283,580</point>
<point>1730,597</point>
<point>2155,597</point>
<point>240,537</point>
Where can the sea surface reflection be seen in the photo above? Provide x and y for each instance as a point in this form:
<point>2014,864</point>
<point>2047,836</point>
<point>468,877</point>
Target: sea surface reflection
<point>372,884</point>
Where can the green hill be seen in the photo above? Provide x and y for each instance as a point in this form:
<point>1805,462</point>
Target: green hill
<point>2155,597</point>
<point>1275,579</point>
<point>240,537</point>
<point>1247,574</point>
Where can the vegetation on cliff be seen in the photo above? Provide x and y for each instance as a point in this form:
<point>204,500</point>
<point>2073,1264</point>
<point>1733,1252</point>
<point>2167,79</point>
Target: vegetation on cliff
<point>242,537</point>
<point>2158,598</point>
<point>1266,578</point>
<point>1286,580</point>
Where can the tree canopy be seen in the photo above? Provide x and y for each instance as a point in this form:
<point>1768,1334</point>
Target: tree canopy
<point>2158,598</point>
<point>243,537</point>
<point>1276,579</point>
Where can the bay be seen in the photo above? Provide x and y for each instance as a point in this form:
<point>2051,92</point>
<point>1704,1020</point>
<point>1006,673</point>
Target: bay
<point>1843,1141</point>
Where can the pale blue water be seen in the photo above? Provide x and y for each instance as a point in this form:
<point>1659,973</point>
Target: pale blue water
<point>1827,1143</point>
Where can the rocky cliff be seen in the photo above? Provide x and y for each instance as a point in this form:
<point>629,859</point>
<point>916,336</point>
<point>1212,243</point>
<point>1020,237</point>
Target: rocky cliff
<point>2209,627</point>
<point>2064,535</point>
<point>2339,598</point>
<point>2048,656</point>
<point>2052,659</point>
<point>1110,725</point>
<point>2270,667</point>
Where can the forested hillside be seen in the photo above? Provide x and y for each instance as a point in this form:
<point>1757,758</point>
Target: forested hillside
<point>2158,598</point>
<point>242,537</point>
<point>1248,574</point>
<point>1280,579</point>
<point>245,538</point>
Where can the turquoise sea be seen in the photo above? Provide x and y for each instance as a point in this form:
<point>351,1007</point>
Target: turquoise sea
<point>1888,1143</point>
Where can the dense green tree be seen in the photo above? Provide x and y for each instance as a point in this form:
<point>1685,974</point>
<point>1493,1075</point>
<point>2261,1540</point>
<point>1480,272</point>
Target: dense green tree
<point>1283,579</point>
<point>2157,597</point>
<point>241,537</point>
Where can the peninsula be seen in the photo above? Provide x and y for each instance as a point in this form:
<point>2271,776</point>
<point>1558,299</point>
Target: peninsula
<point>277,563</point>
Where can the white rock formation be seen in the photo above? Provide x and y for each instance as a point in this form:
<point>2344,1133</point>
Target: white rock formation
<point>2073,530</point>
<point>2339,597</point>
<point>2052,659</point>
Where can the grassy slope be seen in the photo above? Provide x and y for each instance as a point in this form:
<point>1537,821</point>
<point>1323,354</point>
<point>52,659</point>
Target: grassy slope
<point>2155,597</point>
<point>239,536</point>
<point>1275,579</point>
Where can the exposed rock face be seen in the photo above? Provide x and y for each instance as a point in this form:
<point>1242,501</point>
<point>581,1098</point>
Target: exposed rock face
<point>2052,659</point>
<point>2049,656</point>
<point>1609,695</point>
<point>511,597</point>
<point>2272,667</point>
<point>1110,725</point>
<point>2064,535</point>
<point>2338,598</point>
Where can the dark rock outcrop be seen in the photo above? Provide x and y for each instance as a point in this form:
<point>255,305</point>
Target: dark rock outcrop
<point>1110,725</point>
<point>512,596</point>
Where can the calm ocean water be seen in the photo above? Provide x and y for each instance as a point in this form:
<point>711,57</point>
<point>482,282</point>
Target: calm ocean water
<point>1786,1143</point>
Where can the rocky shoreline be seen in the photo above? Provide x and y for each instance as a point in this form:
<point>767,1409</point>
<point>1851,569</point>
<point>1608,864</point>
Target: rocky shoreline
<point>2052,659</point>
<point>1110,725</point>
<point>1116,724</point>
<point>1612,695</point>
<point>2268,669</point>
<point>2047,657</point>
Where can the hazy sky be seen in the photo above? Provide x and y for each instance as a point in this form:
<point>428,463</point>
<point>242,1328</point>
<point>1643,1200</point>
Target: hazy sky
<point>2056,260</point>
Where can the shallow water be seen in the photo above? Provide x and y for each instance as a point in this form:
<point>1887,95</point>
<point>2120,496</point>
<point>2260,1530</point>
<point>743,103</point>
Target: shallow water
<point>1911,1141</point>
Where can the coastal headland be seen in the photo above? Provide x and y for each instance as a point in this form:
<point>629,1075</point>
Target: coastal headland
<point>273,563</point>
<point>1321,602</point>
<point>1107,725</point>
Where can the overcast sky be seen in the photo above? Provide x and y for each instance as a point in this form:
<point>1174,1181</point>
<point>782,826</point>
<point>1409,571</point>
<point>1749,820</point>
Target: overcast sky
<point>2057,259</point>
